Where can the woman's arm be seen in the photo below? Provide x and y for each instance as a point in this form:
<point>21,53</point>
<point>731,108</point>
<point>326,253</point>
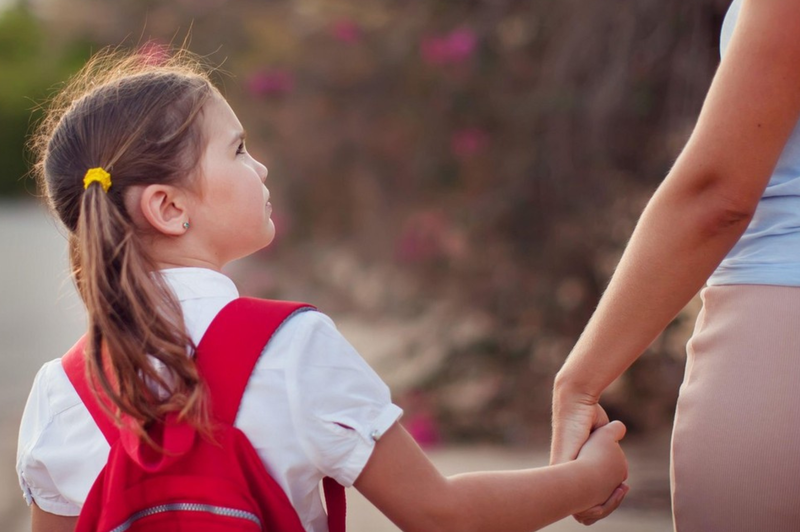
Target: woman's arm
<point>42,521</point>
<point>696,215</point>
<point>401,482</point>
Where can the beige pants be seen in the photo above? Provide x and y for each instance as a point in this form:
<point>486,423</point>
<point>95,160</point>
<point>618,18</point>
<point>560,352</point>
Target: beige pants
<point>736,441</point>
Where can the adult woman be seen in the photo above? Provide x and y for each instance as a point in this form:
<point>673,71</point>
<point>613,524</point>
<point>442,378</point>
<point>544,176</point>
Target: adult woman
<point>733,194</point>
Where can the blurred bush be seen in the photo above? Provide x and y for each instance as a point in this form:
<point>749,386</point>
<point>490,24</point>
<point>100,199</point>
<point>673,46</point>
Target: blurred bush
<point>30,64</point>
<point>454,181</point>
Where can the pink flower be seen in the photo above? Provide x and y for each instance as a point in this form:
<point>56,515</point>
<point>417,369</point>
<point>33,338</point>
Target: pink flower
<point>346,31</point>
<point>467,142</point>
<point>274,82</point>
<point>419,419</point>
<point>153,53</point>
<point>455,47</point>
<point>461,44</point>
<point>434,50</point>
<point>427,235</point>
<point>423,429</point>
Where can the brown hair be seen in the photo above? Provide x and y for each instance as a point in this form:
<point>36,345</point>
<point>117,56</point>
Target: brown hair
<point>138,121</point>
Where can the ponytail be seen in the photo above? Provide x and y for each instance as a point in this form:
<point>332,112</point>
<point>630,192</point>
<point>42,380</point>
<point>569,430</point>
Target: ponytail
<point>132,317</point>
<point>139,121</point>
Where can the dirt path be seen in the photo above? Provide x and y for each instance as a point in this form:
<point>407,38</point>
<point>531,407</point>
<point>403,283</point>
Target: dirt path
<point>41,316</point>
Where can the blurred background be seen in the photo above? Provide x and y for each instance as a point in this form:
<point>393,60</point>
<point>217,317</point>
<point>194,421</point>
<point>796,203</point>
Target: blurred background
<point>453,183</point>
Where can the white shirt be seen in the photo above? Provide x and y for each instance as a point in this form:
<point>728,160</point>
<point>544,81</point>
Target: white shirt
<point>312,408</point>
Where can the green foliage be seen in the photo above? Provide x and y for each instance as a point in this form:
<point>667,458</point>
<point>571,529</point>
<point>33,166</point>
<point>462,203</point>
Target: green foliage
<point>29,66</point>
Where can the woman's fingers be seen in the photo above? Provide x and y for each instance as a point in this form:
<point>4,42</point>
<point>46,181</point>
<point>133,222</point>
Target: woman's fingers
<point>601,418</point>
<point>572,425</point>
<point>570,435</point>
<point>568,438</point>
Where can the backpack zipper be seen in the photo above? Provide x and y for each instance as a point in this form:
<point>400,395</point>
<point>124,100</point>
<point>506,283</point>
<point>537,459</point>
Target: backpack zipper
<point>187,507</point>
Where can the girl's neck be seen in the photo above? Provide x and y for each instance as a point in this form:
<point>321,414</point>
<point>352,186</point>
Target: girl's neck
<point>188,263</point>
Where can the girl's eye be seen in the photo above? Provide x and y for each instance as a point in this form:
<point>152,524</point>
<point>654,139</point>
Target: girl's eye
<point>240,149</point>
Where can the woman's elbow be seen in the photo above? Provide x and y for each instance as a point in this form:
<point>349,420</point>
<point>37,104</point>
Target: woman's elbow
<point>711,204</point>
<point>722,199</point>
<point>725,215</point>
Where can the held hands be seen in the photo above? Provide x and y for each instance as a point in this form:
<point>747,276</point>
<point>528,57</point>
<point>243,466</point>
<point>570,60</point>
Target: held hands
<point>607,468</point>
<point>581,430</point>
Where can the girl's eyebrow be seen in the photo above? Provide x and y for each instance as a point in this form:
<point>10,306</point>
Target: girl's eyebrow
<point>239,136</point>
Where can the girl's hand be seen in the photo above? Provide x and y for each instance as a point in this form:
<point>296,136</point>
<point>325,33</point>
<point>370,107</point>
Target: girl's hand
<point>607,469</point>
<point>601,511</point>
<point>575,417</point>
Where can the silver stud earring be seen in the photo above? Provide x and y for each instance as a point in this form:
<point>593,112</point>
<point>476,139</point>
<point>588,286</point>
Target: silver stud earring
<point>186,225</point>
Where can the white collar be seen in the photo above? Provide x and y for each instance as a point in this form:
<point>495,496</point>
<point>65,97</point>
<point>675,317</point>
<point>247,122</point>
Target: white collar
<point>197,283</point>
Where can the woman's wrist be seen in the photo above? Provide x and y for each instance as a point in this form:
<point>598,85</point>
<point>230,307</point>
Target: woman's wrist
<point>570,386</point>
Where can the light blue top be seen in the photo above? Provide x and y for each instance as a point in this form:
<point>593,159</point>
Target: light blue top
<point>769,250</point>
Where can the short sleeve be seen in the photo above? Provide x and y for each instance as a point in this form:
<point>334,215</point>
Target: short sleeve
<point>340,407</point>
<point>34,478</point>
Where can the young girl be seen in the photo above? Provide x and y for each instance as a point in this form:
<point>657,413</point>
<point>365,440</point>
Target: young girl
<point>147,168</point>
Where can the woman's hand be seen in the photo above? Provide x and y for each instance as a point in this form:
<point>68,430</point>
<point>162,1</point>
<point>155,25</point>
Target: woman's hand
<point>575,417</point>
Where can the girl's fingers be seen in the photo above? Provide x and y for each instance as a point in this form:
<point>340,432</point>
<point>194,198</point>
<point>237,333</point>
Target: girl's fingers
<point>616,429</point>
<point>596,513</point>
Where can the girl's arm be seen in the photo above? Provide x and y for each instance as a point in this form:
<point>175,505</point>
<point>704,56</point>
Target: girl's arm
<point>42,521</point>
<point>401,482</point>
<point>696,215</point>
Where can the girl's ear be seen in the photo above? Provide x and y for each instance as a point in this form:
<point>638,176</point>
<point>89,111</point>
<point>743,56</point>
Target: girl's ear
<point>165,208</point>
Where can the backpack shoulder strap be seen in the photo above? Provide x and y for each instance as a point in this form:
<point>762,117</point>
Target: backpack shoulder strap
<point>336,504</point>
<point>75,367</point>
<point>242,329</point>
<point>232,345</point>
<point>243,326</point>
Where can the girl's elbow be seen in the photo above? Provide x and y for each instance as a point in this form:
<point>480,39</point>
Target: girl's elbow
<point>449,514</point>
<point>448,520</point>
<point>436,521</point>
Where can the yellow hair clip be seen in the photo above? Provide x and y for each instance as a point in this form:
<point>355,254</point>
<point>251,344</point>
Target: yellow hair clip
<point>99,175</point>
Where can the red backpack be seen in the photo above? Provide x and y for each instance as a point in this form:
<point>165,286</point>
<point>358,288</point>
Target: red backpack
<point>198,485</point>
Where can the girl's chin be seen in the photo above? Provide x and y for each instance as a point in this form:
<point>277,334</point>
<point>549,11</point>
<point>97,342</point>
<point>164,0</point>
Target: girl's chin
<point>264,242</point>
<point>269,236</point>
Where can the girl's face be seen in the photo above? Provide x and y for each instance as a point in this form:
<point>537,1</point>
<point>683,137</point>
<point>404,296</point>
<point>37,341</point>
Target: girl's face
<point>231,216</point>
